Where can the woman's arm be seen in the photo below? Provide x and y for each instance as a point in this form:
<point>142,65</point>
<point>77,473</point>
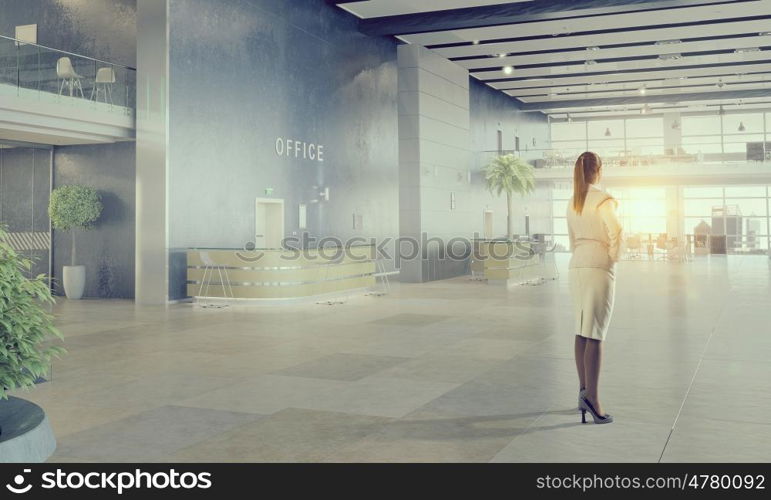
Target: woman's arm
<point>571,234</point>
<point>607,210</point>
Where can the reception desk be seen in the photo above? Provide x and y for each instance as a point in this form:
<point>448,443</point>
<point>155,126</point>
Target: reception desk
<point>506,262</point>
<point>278,273</point>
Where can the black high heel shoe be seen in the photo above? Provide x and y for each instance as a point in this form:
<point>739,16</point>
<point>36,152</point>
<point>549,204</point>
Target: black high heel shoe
<point>598,419</point>
<point>581,394</point>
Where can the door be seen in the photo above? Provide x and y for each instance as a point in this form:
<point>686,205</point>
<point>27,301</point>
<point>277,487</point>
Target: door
<point>488,224</point>
<point>269,227</point>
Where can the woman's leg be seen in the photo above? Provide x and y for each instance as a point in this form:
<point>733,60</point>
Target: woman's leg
<point>592,363</point>
<point>580,347</point>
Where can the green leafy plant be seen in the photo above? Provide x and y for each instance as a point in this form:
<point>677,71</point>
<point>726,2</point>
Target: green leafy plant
<point>511,175</point>
<point>25,325</point>
<point>74,207</point>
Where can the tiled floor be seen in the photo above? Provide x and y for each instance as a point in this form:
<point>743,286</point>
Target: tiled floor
<point>445,371</point>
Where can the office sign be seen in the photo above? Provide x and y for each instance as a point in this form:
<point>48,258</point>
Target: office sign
<point>294,148</point>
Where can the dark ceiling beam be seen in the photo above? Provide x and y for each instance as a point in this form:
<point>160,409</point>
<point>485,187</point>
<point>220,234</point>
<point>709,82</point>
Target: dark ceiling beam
<point>515,13</point>
<point>728,67</point>
<point>665,99</point>
<point>339,2</point>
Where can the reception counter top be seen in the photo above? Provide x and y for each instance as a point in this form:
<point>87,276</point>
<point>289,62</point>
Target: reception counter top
<point>506,262</point>
<point>278,273</point>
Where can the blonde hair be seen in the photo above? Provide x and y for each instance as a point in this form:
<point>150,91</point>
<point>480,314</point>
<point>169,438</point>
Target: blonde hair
<point>586,172</point>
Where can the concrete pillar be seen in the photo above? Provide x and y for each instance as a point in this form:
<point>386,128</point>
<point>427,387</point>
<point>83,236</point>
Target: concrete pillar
<point>675,207</point>
<point>434,159</point>
<point>151,152</point>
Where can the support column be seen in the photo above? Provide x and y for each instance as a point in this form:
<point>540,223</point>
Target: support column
<point>675,207</point>
<point>151,152</point>
<point>434,161</point>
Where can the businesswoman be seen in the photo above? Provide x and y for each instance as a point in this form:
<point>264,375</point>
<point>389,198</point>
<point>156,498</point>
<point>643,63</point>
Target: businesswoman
<point>595,241</point>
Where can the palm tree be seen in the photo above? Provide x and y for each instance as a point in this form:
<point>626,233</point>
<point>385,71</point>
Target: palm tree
<point>509,174</point>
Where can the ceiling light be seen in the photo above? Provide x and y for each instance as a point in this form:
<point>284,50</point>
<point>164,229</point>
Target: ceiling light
<point>607,132</point>
<point>720,84</point>
<point>507,70</point>
<point>475,42</point>
<point>670,57</point>
<point>590,62</point>
<point>645,110</point>
<point>570,118</point>
<point>742,128</point>
<point>764,33</point>
<point>592,48</point>
<point>643,90</point>
<point>747,50</point>
<point>667,42</point>
<point>502,55</point>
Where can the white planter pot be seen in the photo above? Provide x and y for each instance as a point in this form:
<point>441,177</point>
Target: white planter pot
<point>74,279</point>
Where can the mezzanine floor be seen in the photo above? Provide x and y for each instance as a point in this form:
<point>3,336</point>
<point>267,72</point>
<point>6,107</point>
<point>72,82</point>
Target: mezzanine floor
<point>445,371</point>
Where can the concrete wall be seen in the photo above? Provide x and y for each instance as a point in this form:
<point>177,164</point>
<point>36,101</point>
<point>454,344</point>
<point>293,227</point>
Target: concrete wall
<point>107,251</point>
<point>102,29</point>
<point>243,73</point>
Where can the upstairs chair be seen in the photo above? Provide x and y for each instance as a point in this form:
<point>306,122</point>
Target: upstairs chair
<point>105,77</point>
<point>67,74</point>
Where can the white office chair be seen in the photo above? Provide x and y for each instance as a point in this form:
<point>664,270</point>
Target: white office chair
<point>105,77</point>
<point>210,266</point>
<point>67,74</point>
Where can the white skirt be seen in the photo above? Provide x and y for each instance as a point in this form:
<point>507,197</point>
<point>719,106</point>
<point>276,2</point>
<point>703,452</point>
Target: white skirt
<point>593,291</point>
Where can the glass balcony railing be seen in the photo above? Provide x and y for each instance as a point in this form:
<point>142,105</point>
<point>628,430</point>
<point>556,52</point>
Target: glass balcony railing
<point>751,152</point>
<point>46,74</point>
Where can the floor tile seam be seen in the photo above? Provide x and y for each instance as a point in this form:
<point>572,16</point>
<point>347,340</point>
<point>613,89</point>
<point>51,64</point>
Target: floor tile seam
<point>693,378</point>
<point>520,433</point>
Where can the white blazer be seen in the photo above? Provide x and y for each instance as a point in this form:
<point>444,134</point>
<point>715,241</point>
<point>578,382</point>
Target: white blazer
<point>596,235</point>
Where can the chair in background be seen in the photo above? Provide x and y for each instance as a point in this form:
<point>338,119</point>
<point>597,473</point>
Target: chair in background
<point>550,247</point>
<point>661,246</point>
<point>675,250</point>
<point>634,247</point>
<point>105,78</point>
<point>67,74</point>
<point>210,266</point>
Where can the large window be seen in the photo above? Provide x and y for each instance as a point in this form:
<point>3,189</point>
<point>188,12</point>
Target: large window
<point>641,210</point>
<point>612,139</point>
<point>644,136</point>
<point>569,138</point>
<point>739,212</point>
<point>710,137</point>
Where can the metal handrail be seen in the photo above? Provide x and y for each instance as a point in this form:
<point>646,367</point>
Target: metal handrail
<point>22,42</point>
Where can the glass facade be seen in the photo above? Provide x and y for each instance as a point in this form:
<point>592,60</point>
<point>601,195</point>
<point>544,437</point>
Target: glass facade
<point>704,137</point>
<point>641,210</point>
<point>741,213</point>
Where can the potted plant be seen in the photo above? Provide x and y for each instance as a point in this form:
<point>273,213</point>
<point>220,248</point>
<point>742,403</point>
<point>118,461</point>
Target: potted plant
<point>511,175</point>
<point>72,208</point>
<point>24,322</point>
